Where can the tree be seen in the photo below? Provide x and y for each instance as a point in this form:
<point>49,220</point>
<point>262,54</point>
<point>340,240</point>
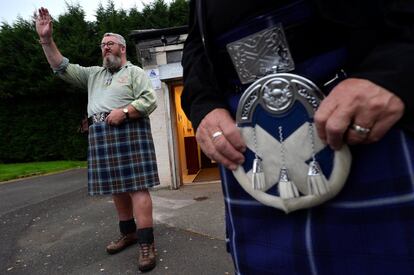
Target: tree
<point>20,60</point>
<point>156,15</point>
<point>178,13</point>
<point>76,37</point>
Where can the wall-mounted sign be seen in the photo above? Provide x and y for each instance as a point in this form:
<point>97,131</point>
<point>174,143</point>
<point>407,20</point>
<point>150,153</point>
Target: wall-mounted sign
<point>154,76</point>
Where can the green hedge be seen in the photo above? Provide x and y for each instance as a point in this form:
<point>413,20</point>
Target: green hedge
<point>39,129</point>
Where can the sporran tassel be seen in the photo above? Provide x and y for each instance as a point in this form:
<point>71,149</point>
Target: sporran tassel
<point>258,177</point>
<point>287,189</point>
<point>317,183</point>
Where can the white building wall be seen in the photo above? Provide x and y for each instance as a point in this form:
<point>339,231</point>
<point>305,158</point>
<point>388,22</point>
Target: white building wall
<point>162,119</point>
<point>159,134</point>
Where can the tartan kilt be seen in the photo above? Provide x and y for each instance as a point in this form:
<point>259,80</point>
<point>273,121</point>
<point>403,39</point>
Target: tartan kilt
<point>367,229</point>
<point>121,158</point>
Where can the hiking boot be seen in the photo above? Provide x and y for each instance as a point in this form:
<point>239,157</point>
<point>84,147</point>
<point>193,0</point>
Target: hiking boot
<point>146,257</point>
<point>123,242</point>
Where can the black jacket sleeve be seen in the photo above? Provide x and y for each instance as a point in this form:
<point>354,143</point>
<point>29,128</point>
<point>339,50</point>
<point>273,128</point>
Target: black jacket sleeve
<point>381,43</point>
<point>201,94</point>
<point>391,63</point>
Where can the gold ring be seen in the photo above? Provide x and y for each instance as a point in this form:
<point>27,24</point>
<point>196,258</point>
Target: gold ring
<point>216,135</point>
<point>360,130</point>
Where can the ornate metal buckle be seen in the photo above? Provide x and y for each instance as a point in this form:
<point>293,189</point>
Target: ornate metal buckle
<point>261,53</point>
<point>99,117</point>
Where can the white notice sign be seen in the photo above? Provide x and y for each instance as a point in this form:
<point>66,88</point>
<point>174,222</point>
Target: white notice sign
<point>154,76</point>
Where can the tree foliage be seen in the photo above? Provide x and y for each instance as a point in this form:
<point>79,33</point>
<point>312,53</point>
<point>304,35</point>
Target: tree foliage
<point>39,113</point>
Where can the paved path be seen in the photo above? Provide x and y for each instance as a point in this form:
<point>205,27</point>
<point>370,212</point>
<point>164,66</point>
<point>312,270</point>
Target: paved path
<point>48,225</point>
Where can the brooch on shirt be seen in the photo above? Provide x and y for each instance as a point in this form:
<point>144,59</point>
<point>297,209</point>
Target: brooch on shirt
<point>108,81</point>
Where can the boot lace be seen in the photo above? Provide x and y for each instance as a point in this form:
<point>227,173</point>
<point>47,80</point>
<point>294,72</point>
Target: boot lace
<point>145,250</point>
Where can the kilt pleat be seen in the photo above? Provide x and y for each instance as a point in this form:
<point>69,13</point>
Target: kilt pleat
<point>367,229</point>
<point>121,158</point>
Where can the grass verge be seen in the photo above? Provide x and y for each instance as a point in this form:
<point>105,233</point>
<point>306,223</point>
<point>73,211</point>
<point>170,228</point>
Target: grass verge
<point>22,170</point>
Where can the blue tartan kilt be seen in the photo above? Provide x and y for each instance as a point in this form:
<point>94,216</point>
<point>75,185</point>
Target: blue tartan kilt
<point>121,158</point>
<point>367,229</point>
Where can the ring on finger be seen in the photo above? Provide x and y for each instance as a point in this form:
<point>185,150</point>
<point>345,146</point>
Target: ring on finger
<point>216,135</point>
<point>360,130</point>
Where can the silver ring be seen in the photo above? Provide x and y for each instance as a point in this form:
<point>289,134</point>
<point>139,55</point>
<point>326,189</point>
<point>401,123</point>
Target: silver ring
<point>216,135</point>
<point>360,130</point>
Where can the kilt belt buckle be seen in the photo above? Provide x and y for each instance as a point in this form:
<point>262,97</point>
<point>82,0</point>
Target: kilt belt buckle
<point>98,117</point>
<point>287,165</point>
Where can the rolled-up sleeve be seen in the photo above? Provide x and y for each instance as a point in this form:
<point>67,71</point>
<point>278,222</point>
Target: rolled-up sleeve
<point>74,73</point>
<point>146,101</point>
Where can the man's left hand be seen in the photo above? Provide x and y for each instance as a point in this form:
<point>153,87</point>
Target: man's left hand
<point>116,117</point>
<point>357,111</point>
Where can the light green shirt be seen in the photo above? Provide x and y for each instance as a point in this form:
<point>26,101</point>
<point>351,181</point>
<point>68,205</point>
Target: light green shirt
<point>107,91</point>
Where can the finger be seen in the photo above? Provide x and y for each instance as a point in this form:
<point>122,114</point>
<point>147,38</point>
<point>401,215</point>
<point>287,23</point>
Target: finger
<point>48,16</point>
<point>364,119</point>
<point>233,135</point>
<point>360,129</point>
<point>377,132</point>
<point>221,119</point>
<point>227,150</point>
<point>326,108</point>
<point>387,119</point>
<point>226,145</point>
<point>222,157</point>
<point>369,114</point>
<point>44,14</point>
<point>206,144</point>
<point>357,133</point>
<point>379,114</point>
<point>338,110</point>
<point>336,126</point>
<point>381,127</point>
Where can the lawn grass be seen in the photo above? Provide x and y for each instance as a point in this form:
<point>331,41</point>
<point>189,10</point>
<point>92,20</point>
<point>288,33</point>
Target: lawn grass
<point>21,170</point>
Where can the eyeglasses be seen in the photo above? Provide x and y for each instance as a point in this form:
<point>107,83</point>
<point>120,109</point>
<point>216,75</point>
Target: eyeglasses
<point>110,44</point>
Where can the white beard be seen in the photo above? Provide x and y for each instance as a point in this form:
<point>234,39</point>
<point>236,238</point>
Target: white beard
<point>112,62</point>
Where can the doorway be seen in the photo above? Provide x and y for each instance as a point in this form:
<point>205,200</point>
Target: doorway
<point>195,166</point>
